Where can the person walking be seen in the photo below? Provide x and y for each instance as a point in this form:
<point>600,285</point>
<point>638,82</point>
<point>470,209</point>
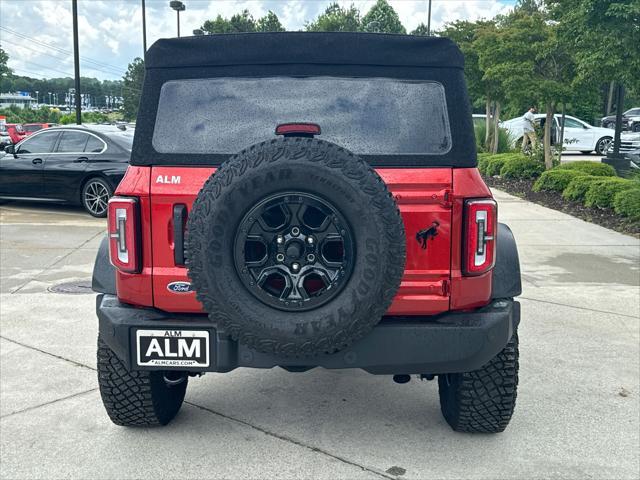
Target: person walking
<point>529,131</point>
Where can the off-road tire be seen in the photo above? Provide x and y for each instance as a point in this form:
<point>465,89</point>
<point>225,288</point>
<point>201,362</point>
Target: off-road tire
<point>308,166</point>
<point>137,398</point>
<point>482,401</point>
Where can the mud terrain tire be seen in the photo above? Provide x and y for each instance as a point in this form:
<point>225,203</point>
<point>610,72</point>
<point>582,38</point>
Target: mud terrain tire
<point>482,401</point>
<point>138,398</point>
<point>309,167</point>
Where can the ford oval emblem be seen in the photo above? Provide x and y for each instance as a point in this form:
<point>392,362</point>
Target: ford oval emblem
<point>179,287</point>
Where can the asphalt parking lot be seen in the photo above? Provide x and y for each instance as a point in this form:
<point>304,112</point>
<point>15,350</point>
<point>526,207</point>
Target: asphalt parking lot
<point>577,414</point>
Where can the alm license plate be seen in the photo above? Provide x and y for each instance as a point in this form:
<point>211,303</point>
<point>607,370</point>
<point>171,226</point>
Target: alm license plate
<point>172,348</point>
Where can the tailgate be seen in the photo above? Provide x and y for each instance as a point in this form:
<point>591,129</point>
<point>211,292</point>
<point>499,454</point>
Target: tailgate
<point>423,196</point>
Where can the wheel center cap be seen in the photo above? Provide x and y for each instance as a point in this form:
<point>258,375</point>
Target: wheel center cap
<point>294,250</point>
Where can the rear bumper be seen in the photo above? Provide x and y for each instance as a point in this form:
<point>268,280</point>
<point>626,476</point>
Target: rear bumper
<point>448,343</point>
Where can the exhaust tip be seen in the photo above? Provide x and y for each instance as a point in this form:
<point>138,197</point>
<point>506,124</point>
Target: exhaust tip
<point>401,378</point>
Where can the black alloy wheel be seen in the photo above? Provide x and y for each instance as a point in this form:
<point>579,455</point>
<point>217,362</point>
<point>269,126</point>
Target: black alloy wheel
<point>294,251</point>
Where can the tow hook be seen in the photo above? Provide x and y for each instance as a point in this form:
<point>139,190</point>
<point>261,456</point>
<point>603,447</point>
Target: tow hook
<point>173,379</point>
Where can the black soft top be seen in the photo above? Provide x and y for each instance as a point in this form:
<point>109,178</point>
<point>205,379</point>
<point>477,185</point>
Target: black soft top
<point>307,54</point>
<point>340,48</point>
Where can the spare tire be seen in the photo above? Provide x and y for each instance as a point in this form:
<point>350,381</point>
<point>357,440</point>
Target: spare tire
<point>295,247</point>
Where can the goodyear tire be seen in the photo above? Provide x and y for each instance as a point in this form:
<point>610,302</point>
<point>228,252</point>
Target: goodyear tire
<point>329,236</point>
<point>136,399</point>
<point>482,401</point>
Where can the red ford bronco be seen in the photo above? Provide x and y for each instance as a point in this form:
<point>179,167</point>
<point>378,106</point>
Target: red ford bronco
<point>303,200</point>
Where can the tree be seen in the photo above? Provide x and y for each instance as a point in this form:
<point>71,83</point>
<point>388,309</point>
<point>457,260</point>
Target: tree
<point>336,19</point>
<point>5,71</point>
<point>421,30</point>
<point>604,36</point>
<point>238,23</point>
<point>242,22</point>
<point>382,18</point>
<point>269,23</point>
<point>524,57</point>
<point>482,92</point>
<point>132,88</point>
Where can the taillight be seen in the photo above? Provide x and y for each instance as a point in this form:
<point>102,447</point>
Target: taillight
<point>480,235</point>
<point>123,234</point>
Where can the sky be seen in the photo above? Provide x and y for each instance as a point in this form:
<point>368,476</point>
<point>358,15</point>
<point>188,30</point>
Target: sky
<point>38,34</point>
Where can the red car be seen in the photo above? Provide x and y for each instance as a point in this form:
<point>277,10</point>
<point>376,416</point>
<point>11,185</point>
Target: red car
<point>30,128</point>
<point>306,200</point>
<point>16,132</point>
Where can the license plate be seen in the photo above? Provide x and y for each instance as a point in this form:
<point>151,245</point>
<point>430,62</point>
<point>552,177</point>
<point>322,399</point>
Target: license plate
<point>172,348</point>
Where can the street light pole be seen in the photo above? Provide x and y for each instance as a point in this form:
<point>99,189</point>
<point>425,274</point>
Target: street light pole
<point>144,30</point>
<point>178,6</point>
<point>76,60</point>
<point>429,20</point>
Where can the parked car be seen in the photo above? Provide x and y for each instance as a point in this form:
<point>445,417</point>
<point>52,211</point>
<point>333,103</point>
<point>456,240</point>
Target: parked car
<point>73,164</point>
<point>16,132</point>
<point>238,238</point>
<point>629,147</point>
<point>630,120</point>
<point>30,128</point>
<point>5,138</point>
<point>578,135</point>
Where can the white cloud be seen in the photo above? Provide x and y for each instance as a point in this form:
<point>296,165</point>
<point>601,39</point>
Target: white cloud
<point>110,31</point>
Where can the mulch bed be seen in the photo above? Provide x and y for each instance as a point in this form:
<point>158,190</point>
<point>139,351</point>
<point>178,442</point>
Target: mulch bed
<point>600,216</point>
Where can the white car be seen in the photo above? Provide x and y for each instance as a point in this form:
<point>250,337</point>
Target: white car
<point>578,135</point>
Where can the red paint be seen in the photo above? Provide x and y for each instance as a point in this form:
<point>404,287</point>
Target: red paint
<point>433,281</point>
<point>466,292</point>
<point>298,128</point>
<point>133,288</point>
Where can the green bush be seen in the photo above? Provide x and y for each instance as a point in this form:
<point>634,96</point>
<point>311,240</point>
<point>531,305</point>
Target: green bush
<point>496,162</point>
<point>521,168</point>
<point>602,192</point>
<point>591,168</point>
<point>483,162</point>
<point>555,180</point>
<point>504,143</point>
<point>577,188</point>
<point>627,203</point>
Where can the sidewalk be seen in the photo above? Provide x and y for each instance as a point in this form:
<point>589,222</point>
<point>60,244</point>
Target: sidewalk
<point>577,414</point>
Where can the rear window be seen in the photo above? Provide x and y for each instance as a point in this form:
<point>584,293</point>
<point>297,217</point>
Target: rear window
<point>123,140</point>
<point>369,116</point>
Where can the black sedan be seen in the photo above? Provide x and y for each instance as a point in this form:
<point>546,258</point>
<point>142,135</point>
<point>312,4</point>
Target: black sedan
<point>76,164</point>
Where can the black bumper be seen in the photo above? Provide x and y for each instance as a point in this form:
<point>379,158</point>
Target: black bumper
<point>448,343</point>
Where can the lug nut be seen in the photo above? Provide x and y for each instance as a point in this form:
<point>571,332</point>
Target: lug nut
<point>280,239</point>
<point>295,267</point>
<point>295,231</point>
<point>280,257</point>
<point>311,257</point>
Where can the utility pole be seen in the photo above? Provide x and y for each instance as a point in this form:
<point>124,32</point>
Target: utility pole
<point>429,20</point>
<point>76,60</point>
<point>144,31</point>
